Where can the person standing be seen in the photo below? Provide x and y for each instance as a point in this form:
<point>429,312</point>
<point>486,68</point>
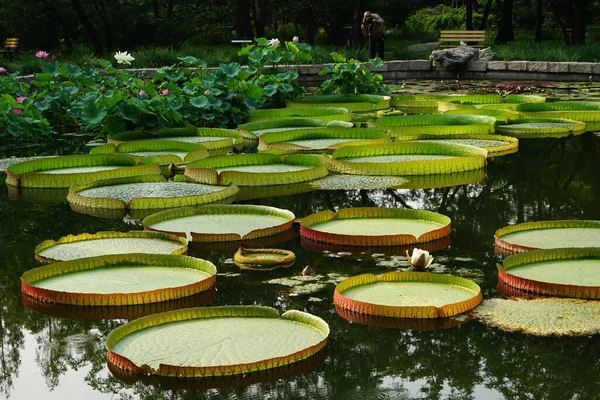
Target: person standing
<point>373,24</point>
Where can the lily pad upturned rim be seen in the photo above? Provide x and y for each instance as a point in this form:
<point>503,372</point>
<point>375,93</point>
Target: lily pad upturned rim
<point>447,310</point>
<point>118,312</point>
<point>563,127</point>
<point>352,102</point>
<point>419,324</point>
<point>124,363</point>
<point>29,278</point>
<point>30,173</point>
<point>108,235</point>
<point>548,288</point>
<point>324,114</point>
<point>512,248</point>
<point>511,146</point>
<point>374,240</point>
<point>284,257</point>
<point>79,201</point>
<point>194,151</point>
<point>223,209</point>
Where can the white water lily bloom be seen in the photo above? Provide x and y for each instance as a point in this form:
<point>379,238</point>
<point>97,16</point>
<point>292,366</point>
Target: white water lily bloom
<point>419,258</point>
<point>274,42</point>
<point>123,57</point>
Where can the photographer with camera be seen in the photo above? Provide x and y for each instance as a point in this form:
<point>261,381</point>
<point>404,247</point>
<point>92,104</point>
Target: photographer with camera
<point>373,24</point>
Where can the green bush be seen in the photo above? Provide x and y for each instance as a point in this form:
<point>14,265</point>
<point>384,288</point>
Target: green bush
<point>440,17</point>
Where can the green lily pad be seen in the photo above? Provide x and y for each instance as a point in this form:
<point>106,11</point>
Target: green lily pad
<point>408,295</point>
<point>215,341</point>
<point>433,124</point>
<point>121,279</point>
<point>263,259</point>
<point>542,317</point>
<point>548,235</point>
<point>325,114</point>
<point>103,243</point>
<point>358,182</point>
<point>542,127</point>
<point>217,223</point>
<point>495,145</point>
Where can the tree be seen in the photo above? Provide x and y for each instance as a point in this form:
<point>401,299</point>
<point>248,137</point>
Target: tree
<point>506,32</point>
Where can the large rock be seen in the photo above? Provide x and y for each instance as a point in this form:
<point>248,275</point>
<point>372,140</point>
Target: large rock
<point>455,58</point>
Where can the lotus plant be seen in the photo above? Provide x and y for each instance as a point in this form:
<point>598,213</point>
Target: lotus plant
<point>123,57</point>
<point>420,259</point>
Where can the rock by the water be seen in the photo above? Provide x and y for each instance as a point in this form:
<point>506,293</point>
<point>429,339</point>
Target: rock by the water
<point>454,58</point>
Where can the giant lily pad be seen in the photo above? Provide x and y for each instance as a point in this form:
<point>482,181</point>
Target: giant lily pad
<point>444,180</point>
<point>542,127</point>
<point>584,111</point>
<point>72,247</point>
<point>434,124</point>
<point>122,279</point>
<point>406,158</point>
<point>65,171</point>
<point>145,193</point>
<point>548,235</point>
<point>257,169</point>
<point>416,101</point>
<point>263,259</point>
<point>495,145</point>
<point>320,140</point>
<point>408,295</point>
<point>358,182</point>
<point>502,115</point>
<point>166,151</point>
<point>221,223</point>
<point>215,341</point>
<point>352,102</point>
<point>542,317</point>
<point>567,272</point>
<point>218,141</point>
<point>369,226</point>
<point>280,125</point>
<point>325,114</point>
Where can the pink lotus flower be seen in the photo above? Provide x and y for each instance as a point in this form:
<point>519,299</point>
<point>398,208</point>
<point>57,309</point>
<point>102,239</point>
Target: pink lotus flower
<point>295,39</point>
<point>2,70</point>
<point>208,92</point>
<point>143,93</point>
<point>164,92</point>
<point>21,99</point>
<point>53,58</point>
<point>17,111</point>
<point>42,54</point>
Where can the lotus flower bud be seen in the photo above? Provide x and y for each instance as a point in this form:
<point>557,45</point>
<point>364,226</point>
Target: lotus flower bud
<point>420,259</point>
<point>307,270</point>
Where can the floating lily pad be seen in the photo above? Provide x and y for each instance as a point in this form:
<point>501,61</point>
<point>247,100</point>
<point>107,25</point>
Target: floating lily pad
<point>229,381</point>
<point>325,114</point>
<point>542,127</point>
<point>358,182</point>
<point>65,171</point>
<point>117,280</point>
<point>261,127</point>
<point>72,247</point>
<point>215,341</point>
<point>352,102</point>
<point>416,101</point>
<point>257,169</point>
<point>408,295</point>
<point>145,193</point>
<point>217,141</point>
<point>263,259</point>
<point>166,151</point>
<point>258,243</point>
<point>567,272</point>
<point>542,317</point>
<point>495,145</point>
<point>370,226</point>
<point>420,324</point>
<point>320,247</point>
<point>406,158</point>
<point>548,235</point>
<point>118,312</point>
<point>444,180</point>
<point>269,191</point>
<point>434,124</point>
<point>502,115</point>
<point>584,111</point>
<point>221,223</point>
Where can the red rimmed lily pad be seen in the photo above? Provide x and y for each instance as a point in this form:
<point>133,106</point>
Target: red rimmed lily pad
<point>215,341</point>
<point>119,280</point>
<point>547,235</point>
<point>221,223</point>
<point>72,247</point>
<point>568,272</point>
<point>408,295</point>
<point>370,226</point>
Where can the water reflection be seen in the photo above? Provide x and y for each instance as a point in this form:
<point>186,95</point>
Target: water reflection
<point>547,179</point>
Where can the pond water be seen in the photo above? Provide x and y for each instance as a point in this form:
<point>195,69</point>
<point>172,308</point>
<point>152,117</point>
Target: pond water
<point>55,357</point>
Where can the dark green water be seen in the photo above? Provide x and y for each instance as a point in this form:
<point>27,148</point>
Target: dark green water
<point>45,357</point>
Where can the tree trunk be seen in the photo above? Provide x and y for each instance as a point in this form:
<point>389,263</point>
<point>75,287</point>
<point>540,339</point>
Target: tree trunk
<point>66,36</point>
<point>469,14</point>
<point>356,20</point>
<point>539,20</point>
<point>579,22</point>
<point>155,9</point>
<point>486,14</point>
<point>506,32</point>
<point>558,14</point>
<point>309,22</point>
<point>88,26</point>
<point>108,33</point>
<point>243,26</point>
<point>260,16</point>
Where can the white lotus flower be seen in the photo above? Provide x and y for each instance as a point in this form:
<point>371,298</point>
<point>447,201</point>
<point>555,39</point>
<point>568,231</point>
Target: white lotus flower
<point>419,258</point>
<point>123,57</point>
<point>274,42</point>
